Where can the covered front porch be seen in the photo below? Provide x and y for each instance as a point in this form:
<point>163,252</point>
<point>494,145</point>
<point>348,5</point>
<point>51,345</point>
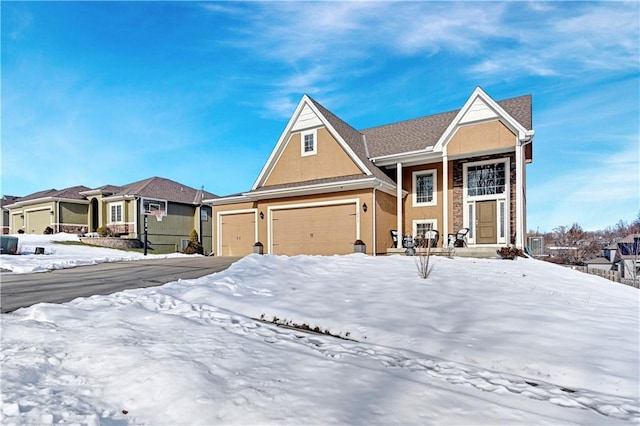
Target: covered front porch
<point>474,251</point>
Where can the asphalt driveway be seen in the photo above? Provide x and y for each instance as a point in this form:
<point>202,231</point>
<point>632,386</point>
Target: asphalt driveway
<point>63,285</point>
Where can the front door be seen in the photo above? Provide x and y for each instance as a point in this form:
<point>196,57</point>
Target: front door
<point>486,224</point>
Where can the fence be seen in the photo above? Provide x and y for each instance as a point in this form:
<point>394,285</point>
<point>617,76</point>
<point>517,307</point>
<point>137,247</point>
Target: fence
<point>610,275</point>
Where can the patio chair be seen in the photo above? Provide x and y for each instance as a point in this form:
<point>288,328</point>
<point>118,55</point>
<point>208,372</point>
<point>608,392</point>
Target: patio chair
<point>394,238</point>
<point>458,239</point>
<point>429,239</point>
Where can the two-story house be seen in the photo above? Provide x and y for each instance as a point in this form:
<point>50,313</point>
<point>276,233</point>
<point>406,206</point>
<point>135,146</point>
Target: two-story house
<point>326,184</point>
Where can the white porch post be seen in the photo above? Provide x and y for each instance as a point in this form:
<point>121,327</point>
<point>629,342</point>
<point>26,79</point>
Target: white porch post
<point>519,194</point>
<point>445,199</point>
<point>399,202</point>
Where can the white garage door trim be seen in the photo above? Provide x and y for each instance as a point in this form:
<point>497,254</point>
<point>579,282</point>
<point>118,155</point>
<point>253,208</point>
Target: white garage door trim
<point>271,209</point>
<point>230,212</point>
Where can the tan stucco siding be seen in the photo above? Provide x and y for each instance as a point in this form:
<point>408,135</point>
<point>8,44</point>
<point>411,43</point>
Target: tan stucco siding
<point>385,220</point>
<point>481,137</point>
<point>330,160</point>
<point>413,212</point>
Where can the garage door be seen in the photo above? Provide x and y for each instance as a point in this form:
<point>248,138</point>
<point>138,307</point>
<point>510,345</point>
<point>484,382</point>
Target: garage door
<point>37,221</point>
<point>237,234</point>
<point>322,230</point>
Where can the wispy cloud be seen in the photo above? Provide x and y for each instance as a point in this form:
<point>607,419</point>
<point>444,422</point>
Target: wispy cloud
<point>604,186</point>
<point>323,45</point>
<point>569,40</point>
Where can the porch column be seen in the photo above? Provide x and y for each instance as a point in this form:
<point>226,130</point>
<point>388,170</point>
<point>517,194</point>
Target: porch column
<point>399,202</point>
<point>519,193</point>
<point>445,199</point>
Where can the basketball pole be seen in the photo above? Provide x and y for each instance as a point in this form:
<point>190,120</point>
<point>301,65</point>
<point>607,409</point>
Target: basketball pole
<point>146,229</point>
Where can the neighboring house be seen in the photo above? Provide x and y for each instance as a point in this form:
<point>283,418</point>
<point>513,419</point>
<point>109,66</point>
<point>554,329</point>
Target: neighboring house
<point>82,210</point>
<point>622,255</point>
<point>61,210</point>
<point>601,263</point>
<point>326,184</point>
<point>628,256</point>
<point>4,219</point>
<point>121,209</point>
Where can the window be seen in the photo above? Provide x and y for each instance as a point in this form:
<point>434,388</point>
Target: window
<point>204,216</point>
<point>486,179</point>
<point>424,188</point>
<point>420,227</point>
<point>308,144</point>
<point>116,213</point>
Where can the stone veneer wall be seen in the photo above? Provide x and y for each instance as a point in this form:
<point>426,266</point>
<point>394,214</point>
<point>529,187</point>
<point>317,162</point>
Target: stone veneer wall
<point>69,229</point>
<point>113,242</point>
<point>458,189</point>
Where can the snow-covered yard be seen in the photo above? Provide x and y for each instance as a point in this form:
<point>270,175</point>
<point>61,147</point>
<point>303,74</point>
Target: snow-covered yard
<point>59,256</point>
<point>479,342</point>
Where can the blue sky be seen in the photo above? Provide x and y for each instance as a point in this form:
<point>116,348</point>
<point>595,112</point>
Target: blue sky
<point>100,93</point>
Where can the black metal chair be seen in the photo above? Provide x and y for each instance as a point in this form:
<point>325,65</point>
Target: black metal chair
<point>458,239</point>
<point>394,238</point>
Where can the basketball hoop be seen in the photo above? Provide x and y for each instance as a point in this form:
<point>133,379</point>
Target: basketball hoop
<point>159,214</point>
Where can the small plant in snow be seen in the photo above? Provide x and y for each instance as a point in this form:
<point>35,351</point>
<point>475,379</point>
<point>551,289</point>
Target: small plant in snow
<point>422,262</point>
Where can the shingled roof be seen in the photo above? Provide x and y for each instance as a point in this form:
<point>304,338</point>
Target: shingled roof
<point>424,132</point>
<point>71,193</point>
<point>165,189</point>
<point>353,138</point>
<point>410,135</point>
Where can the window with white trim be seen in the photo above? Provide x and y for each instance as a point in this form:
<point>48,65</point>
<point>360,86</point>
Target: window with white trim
<point>308,143</point>
<point>116,213</point>
<point>486,179</point>
<point>424,188</point>
<point>421,226</point>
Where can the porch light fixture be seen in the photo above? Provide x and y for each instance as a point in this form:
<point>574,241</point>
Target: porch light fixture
<point>364,207</point>
<point>261,215</point>
<point>51,212</point>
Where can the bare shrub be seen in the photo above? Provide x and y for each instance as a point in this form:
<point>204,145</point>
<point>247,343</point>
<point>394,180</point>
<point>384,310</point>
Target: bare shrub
<point>422,262</point>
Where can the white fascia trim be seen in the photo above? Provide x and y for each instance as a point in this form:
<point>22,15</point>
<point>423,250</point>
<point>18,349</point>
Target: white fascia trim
<point>523,134</point>
<point>475,154</point>
<point>341,141</point>
<point>322,188</point>
<point>408,158</point>
<point>281,142</point>
<point>44,200</point>
<point>227,200</point>
<point>119,197</point>
<point>284,137</point>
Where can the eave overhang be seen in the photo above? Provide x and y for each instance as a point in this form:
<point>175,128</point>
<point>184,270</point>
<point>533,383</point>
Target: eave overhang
<point>19,204</point>
<point>422,156</point>
<point>315,189</point>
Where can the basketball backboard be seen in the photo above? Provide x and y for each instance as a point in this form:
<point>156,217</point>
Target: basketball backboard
<point>154,207</point>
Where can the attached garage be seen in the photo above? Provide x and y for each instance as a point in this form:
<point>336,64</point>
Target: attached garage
<point>314,229</point>
<point>37,221</point>
<point>237,233</point>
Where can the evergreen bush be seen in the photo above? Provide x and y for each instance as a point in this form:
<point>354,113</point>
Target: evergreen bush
<point>194,246</point>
